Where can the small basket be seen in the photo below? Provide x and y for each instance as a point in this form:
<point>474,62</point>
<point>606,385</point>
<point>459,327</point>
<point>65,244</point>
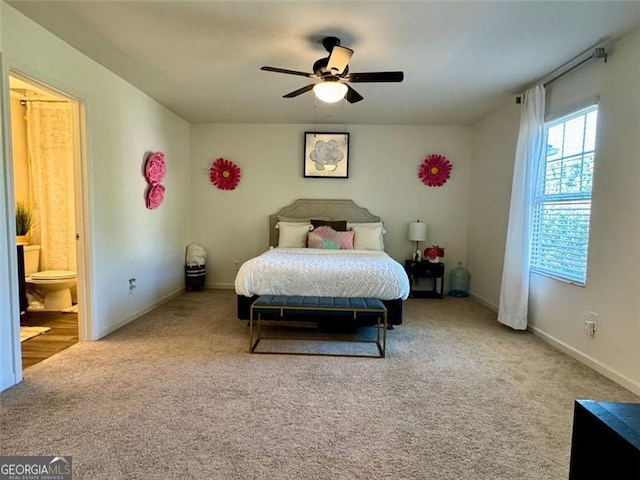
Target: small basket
<point>195,276</point>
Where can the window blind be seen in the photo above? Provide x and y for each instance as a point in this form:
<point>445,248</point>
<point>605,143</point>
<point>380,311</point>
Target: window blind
<point>562,207</point>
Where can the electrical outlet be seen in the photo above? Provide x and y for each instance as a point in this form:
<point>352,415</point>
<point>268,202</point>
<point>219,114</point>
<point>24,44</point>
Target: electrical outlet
<point>591,324</point>
<point>132,285</point>
<point>589,328</point>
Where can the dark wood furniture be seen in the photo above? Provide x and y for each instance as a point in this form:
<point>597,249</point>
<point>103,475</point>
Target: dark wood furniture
<point>425,278</point>
<point>605,441</point>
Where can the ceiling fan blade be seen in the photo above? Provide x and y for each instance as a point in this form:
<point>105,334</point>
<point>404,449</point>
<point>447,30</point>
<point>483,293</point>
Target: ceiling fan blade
<point>352,96</point>
<point>300,91</point>
<point>339,59</point>
<point>375,77</point>
<point>288,72</point>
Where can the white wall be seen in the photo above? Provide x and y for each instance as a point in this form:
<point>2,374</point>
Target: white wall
<point>613,277</point>
<point>494,146</point>
<point>557,309</point>
<point>122,124</point>
<point>384,160</point>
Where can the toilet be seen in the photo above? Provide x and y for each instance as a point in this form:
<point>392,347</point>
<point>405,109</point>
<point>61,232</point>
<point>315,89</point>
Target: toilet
<point>54,285</point>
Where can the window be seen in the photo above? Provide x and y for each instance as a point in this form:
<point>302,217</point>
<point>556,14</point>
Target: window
<point>562,206</point>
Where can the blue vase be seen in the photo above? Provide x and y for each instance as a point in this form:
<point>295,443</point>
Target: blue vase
<point>459,279</point>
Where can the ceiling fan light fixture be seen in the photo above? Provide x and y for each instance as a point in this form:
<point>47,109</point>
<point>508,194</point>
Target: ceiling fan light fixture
<point>330,91</point>
<point>332,76</point>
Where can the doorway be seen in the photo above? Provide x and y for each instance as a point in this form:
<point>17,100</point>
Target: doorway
<point>47,155</point>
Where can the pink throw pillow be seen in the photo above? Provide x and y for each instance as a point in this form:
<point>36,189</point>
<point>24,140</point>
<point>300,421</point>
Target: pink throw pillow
<point>327,238</point>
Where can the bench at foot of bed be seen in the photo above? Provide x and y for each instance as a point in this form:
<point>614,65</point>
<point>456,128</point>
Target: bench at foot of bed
<point>303,309</point>
<point>394,309</point>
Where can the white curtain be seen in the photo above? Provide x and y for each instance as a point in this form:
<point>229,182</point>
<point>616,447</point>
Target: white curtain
<point>514,294</point>
<point>51,183</point>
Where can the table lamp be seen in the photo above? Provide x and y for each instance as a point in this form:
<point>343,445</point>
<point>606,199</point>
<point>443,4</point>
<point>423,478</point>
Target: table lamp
<point>417,233</point>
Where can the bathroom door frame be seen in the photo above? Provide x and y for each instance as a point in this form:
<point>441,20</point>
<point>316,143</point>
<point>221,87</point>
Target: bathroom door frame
<point>81,196</point>
<point>11,358</point>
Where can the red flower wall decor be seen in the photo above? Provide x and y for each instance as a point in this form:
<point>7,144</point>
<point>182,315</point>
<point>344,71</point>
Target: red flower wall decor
<point>154,171</point>
<point>435,170</point>
<point>224,174</point>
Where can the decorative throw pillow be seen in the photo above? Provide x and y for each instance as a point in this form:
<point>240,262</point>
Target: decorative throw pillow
<point>293,235</point>
<point>327,238</point>
<point>337,225</point>
<point>368,236</point>
<point>346,240</point>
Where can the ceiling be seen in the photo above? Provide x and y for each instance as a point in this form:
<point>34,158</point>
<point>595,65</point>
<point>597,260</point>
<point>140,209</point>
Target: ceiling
<point>461,60</point>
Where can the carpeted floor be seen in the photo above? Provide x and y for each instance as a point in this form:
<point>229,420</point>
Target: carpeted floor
<point>176,395</point>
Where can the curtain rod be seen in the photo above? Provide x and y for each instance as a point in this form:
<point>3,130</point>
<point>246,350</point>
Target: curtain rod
<point>571,65</point>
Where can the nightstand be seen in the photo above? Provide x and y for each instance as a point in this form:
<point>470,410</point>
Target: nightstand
<point>426,279</point>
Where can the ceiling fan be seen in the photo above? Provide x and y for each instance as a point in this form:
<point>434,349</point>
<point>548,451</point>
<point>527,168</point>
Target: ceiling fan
<point>334,76</point>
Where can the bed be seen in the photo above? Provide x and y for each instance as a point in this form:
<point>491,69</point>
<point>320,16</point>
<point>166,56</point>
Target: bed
<point>293,269</point>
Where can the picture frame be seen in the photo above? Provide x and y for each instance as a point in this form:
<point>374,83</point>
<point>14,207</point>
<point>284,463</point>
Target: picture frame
<point>326,155</point>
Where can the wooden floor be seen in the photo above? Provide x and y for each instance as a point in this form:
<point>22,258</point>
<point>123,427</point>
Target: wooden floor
<point>63,334</point>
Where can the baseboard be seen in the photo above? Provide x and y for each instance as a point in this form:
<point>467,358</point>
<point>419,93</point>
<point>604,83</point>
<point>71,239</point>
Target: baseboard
<point>112,328</point>
<point>484,302</point>
<point>587,360</point>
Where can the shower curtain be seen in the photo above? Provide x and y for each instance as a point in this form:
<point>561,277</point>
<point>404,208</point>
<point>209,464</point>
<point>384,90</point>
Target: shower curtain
<point>51,182</point>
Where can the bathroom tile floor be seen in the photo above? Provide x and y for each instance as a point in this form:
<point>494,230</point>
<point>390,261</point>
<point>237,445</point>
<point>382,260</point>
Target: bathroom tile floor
<point>63,334</point>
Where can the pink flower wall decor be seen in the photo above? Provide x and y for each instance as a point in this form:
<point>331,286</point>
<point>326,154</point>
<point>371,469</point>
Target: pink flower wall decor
<point>154,171</point>
<point>155,168</point>
<point>224,174</point>
<point>155,196</point>
<point>435,170</point>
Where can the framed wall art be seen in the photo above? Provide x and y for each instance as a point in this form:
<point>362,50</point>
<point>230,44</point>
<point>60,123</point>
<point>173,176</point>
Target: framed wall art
<point>326,155</point>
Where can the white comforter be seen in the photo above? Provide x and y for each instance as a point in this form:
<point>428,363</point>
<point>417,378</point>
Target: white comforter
<point>327,273</point>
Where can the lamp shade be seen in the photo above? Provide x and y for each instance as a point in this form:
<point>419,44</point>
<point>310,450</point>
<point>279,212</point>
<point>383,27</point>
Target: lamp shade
<point>417,232</point>
<point>330,91</point>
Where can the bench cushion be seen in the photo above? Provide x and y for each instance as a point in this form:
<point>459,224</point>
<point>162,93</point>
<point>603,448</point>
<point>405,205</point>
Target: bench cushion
<point>318,303</point>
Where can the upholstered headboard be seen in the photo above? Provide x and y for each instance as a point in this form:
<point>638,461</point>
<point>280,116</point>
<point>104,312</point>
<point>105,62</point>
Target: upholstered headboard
<point>322,208</point>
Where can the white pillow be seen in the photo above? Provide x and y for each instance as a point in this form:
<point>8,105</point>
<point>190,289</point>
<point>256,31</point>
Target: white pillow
<point>367,236</point>
<point>367,224</point>
<point>293,235</point>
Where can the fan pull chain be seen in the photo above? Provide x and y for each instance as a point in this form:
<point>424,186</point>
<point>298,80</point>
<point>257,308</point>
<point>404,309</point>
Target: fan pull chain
<point>345,115</point>
<point>315,108</point>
